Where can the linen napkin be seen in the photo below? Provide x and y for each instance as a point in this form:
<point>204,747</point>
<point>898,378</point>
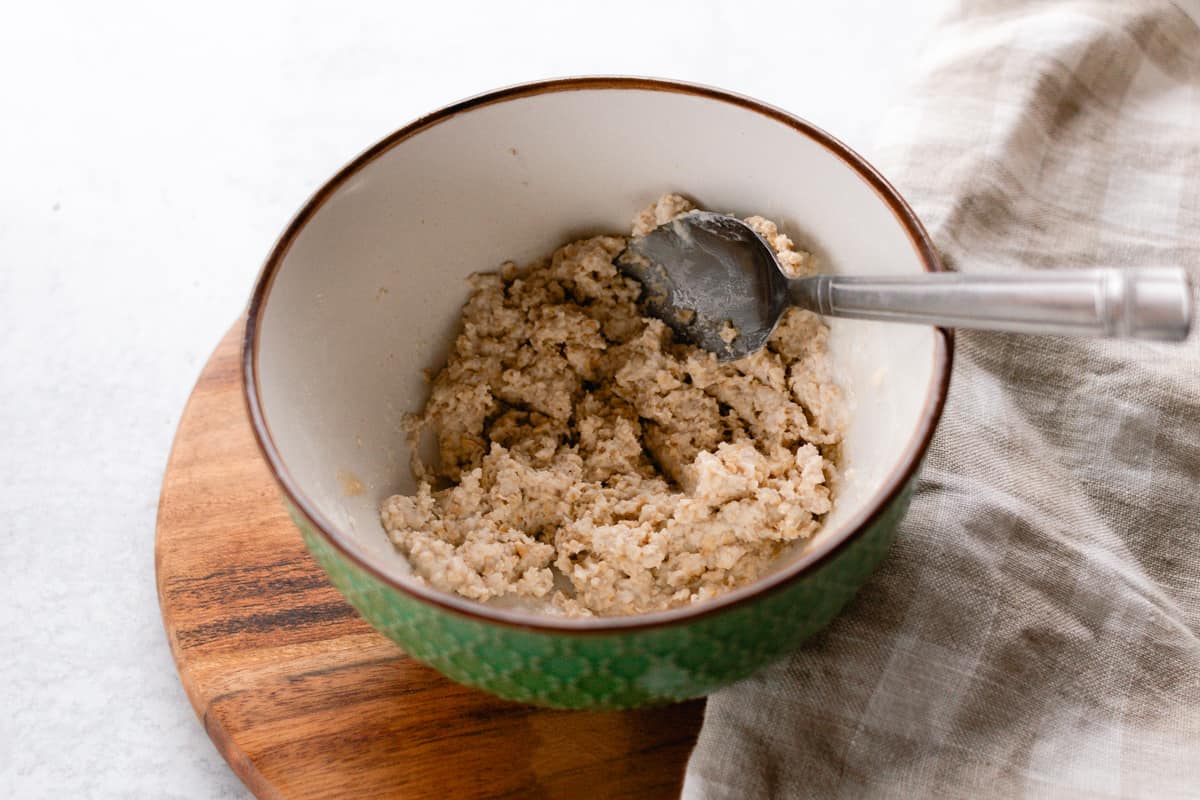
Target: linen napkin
<point>1035,631</point>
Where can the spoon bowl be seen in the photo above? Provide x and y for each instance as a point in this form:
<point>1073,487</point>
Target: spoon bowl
<point>709,276</point>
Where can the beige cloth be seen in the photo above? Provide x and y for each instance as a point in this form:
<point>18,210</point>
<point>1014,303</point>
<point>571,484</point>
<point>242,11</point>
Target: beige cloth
<point>1034,631</point>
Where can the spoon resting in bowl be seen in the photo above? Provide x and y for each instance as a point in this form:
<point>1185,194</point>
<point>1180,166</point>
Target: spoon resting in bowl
<point>717,284</point>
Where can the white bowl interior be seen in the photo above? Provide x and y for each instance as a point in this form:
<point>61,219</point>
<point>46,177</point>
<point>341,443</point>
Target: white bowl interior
<point>369,292</point>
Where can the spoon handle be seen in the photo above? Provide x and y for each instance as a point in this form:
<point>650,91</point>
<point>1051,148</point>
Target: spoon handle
<point>1144,303</point>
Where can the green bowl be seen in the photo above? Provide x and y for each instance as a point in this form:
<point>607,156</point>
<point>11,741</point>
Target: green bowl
<point>362,292</point>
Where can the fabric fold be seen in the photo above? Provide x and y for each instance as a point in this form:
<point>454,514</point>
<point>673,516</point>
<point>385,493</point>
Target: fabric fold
<point>1036,629</point>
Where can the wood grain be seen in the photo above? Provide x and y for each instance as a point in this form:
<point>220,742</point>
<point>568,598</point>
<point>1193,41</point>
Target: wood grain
<point>305,700</point>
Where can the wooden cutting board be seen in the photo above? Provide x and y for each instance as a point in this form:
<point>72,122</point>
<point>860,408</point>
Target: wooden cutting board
<point>305,700</point>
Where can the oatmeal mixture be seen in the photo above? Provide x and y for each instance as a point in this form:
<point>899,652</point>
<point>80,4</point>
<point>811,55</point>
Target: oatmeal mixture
<point>590,462</point>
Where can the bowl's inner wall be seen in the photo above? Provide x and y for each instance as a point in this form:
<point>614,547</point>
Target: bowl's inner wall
<point>369,292</point>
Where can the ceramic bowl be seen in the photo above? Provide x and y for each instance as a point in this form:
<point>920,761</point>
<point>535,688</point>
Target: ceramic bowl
<point>363,291</point>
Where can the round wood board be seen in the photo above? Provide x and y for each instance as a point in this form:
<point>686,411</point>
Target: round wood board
<point>305,700</point>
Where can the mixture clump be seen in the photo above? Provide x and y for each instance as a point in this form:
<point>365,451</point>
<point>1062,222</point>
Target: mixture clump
<point>592,464</point>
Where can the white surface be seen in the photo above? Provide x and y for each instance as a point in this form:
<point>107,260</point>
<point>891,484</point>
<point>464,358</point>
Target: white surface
<point>148,159</point>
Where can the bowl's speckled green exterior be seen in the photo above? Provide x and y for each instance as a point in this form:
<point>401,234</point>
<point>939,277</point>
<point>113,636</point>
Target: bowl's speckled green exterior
<point>623,668</point>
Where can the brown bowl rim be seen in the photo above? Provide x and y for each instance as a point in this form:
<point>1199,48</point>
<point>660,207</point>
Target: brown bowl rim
<point>893,484</point>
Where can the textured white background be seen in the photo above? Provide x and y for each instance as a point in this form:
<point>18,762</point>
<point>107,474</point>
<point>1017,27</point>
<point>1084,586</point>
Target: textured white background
<point>149,155</point>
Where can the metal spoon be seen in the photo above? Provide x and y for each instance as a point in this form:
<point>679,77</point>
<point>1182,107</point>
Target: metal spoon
<point>717,284</point>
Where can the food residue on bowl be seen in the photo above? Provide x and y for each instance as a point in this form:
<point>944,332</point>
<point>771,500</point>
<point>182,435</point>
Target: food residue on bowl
<point>590,463</point>
<point>352,485</point>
